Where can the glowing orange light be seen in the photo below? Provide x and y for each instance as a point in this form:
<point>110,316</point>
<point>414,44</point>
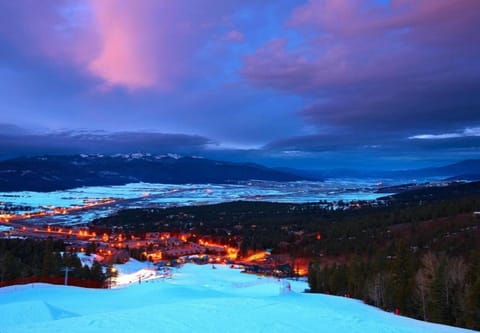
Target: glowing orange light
<point>257,256</point>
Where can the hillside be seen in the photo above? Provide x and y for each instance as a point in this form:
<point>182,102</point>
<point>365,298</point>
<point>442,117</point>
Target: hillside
<point>378,254</point>
<point>196,299</point>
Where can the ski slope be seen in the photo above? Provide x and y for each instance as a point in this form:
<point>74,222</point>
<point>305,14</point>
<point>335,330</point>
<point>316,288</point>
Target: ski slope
<point>194,299</point>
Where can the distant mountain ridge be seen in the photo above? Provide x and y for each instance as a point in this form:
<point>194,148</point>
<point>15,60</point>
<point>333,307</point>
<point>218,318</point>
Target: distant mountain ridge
<point>466,167</point>
<point>59,172</point>
<point>464,170</point>
<point>50,173</point>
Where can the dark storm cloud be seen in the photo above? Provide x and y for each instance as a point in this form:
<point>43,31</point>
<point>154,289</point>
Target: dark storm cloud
<point>398,67</point>
<point>10,129</point>
<point>22,143</point>
<point>472,142</point>
<point>319,143</point>
<point>371,142</point>
<point>449,105</point>
<point>372,151</point>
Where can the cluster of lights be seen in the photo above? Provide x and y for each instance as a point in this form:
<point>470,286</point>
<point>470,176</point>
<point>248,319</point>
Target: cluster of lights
<point>53,210</point>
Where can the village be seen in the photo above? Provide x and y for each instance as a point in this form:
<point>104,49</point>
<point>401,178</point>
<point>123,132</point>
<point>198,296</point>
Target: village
<point>161,249</point>
<point>169,247</point>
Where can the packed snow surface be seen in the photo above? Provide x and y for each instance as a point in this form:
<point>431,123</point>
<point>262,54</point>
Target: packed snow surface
<point>194,299</point>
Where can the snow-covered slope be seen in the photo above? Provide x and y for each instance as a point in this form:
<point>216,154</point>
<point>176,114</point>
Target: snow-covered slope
<point>195,299</point>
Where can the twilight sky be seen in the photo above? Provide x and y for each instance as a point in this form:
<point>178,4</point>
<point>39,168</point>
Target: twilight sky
<point>310,84</point>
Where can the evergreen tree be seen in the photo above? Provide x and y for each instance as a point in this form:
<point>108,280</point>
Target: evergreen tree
<point>49,266</point>
<point>9,267</point>
<point>312,276</point>
<point>456,272</point>
<point>402,275</point>
<point>96,272</point>
<point>438,307</point>
<point>472,303</point>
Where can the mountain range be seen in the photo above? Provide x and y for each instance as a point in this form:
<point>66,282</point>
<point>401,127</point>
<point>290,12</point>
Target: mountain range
<point>59,172</point>
<point>50,173</point>
<point>463,170</point>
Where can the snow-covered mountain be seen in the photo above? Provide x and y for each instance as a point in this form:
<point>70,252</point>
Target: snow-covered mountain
<point>49,173</point>
<point>196,299</point>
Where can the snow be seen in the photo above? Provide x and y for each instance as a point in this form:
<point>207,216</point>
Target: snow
<point>136,195</point>
<point>4,228</point>
<point>135,271</point>
<point>88,259</point>
<point>195,299</point>
<point>132,266</point>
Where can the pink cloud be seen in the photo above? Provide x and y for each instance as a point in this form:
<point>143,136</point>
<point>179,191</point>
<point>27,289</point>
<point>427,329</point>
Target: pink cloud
<point>150,44</point>
<point>123,57</point>
<point>147,44</point>
<point>136,48</point>
<point>141,44</point>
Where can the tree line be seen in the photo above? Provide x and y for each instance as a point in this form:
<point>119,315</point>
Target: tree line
<point>433,286</point>
<point>25,258</point>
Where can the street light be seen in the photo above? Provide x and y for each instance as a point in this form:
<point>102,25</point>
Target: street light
<point>111,273</point>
